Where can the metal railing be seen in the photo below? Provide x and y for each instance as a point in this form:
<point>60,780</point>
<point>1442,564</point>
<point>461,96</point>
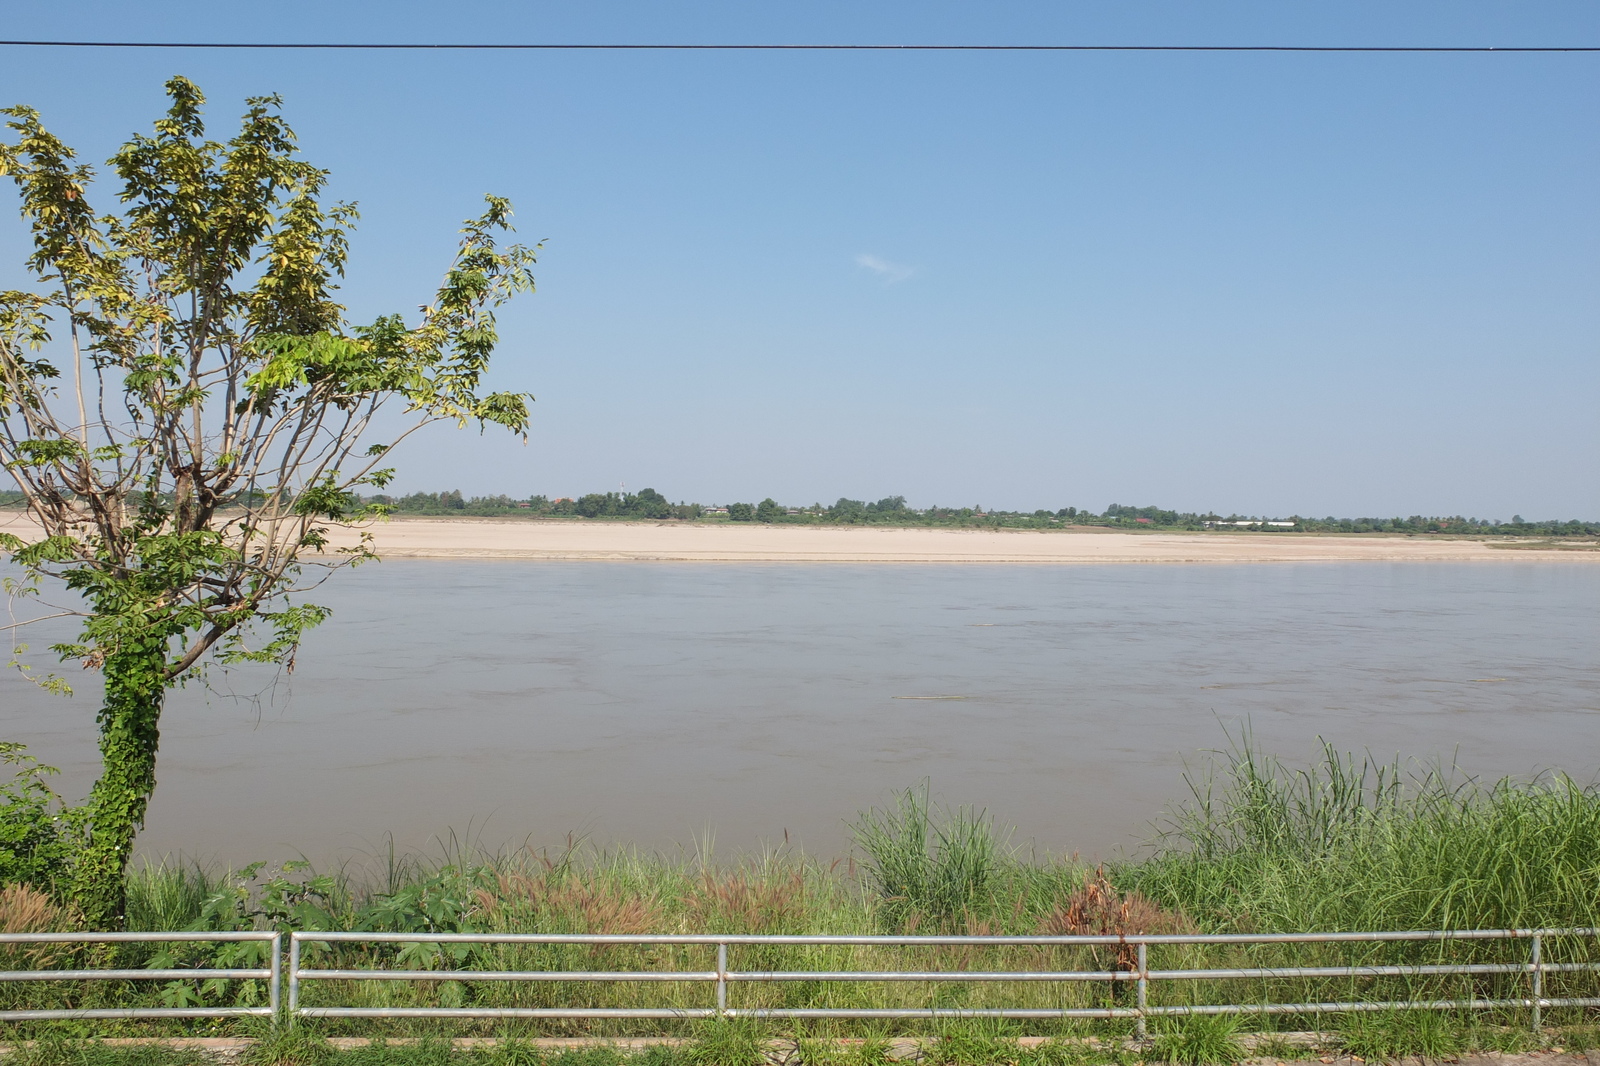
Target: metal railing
<point>1137,973</point>
<point>271,973</point>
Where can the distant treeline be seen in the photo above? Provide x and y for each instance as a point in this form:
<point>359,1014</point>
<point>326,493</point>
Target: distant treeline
<point>646,503</point>
<point>893,511</point>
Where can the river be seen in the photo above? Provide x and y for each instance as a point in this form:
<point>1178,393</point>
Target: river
<point>664,704</point>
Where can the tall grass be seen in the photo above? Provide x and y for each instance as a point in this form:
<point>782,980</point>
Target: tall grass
<point>932,864</point>
<point>1345,844</point>
<point>1352,844</point>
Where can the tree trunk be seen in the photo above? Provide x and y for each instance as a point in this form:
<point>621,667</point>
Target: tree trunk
<point>135,680</point>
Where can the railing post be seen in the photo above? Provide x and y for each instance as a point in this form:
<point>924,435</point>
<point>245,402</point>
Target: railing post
<point>275,982</point>
<point>722,980</point>
<point>294,975</point>
<point>1537,955</point>
<point>1144,986</point>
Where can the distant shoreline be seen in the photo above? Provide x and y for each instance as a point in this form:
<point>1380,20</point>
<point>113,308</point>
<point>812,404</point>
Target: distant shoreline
<point>558,540</point>
<point>554,540</point>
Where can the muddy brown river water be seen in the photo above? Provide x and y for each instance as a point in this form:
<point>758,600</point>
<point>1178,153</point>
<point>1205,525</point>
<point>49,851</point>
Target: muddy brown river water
<point>661,703</point>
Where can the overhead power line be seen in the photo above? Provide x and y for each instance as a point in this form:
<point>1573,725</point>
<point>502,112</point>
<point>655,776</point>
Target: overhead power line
<point>804,47</point>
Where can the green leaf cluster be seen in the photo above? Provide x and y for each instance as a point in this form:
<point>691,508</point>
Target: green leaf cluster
<point>38,832</point>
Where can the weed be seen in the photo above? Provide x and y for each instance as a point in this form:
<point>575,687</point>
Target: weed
<point>1580,1038</point>
<point>1274,1046</point>
<point>513,1051</point>
<point>54,1052</point>
<point>823,1051</point>
<point>1199,1040</point>
<point>1390,1035</point>
<point>658,1055</point>
<point>977,1042</point>
<point>727,1042</point>
<point>1515,1039</point>
<point>291,1045</point>
<point>591,1056</point>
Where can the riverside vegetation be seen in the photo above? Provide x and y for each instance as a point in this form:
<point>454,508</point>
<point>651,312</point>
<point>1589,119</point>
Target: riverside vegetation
<point>650,505</point>
<point>1345,845</point>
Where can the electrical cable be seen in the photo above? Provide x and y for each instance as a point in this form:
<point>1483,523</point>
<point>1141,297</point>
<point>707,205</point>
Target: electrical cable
<point>352,46</point>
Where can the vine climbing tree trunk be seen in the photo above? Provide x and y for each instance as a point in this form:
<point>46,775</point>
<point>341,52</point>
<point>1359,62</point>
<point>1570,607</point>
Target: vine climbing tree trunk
<point>130,716</point>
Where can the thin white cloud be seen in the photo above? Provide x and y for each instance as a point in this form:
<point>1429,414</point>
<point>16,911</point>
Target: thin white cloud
<point>889,272</point>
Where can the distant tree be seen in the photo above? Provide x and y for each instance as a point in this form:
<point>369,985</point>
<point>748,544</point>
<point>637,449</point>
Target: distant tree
<point>741,512</point>
<point>847,510</point>
<point>651,504</point>
<point>596,504</point>
<point>188,413</point>
<point>768,510</point>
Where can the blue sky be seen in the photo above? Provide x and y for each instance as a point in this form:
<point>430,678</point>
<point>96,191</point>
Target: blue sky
<point>1347,284</point>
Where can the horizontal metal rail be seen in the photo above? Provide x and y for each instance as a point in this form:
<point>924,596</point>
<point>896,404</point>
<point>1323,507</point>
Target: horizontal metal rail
<point>778,940</point>
<point>272,974</point>
<point>1140,975</point>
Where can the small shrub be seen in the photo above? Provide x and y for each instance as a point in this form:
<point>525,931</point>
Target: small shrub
<point>37,834</point>
<point>1097,908</point>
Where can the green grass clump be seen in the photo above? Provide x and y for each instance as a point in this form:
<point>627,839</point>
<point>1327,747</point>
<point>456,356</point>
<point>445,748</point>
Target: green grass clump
<point>1199,1040</point>
<point>1389,1035</point>
<point>728,1042</point>
<point>870,1051</point>
<point>63,1052</point>
<point>929,865</point>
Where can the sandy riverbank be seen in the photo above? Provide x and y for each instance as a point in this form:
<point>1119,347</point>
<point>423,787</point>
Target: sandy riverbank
<point>490,538</point>
<point>485,538</point>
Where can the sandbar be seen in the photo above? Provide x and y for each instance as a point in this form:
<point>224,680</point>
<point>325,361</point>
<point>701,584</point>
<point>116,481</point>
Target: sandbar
<point>556,540</point>
<point>488,538</point>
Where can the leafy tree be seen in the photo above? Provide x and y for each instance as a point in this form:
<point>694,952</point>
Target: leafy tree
<point>847,510</point>
<point>649,504</point>
<point>768,510</point>
<point>188,413</point>
<point>741,512</point>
